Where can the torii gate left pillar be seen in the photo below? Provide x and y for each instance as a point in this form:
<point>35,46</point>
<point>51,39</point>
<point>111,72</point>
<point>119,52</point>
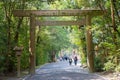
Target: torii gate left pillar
<point>89,43</point>
<point>32,44</point>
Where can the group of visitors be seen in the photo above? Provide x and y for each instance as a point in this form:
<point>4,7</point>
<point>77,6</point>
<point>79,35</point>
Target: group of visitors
<point>75,60</point>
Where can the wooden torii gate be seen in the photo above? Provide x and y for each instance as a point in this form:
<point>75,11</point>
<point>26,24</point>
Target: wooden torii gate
<point>49,13</point>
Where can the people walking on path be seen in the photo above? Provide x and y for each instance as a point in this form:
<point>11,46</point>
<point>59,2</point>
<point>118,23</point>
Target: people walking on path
<point>75,60</point>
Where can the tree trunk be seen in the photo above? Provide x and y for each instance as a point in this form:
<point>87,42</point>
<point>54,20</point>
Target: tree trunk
<point>17,30</point>
<point>8,20</point>
<point>19,24</point>
<point>114,28</point>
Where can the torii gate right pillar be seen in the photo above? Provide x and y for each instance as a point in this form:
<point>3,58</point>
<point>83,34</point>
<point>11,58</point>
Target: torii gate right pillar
<point>89,43</point>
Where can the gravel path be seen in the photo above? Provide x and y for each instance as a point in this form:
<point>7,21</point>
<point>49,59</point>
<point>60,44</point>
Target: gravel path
<point>63,71</point>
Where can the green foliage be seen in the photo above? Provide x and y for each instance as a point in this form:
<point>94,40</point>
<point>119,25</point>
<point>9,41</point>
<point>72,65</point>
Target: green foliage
<point>83,58</point>
<point>98,63</point>
<point>117,69</point>
<point>109,66</point>
<point>25,59</point>
<point>2,59</point>
<point>107,45</point>
<point>56,38</point>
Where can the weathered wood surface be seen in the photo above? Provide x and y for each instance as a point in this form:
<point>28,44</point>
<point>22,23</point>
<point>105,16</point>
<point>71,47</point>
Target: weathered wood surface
<point>89,44</point>
<point>32,44</point>
<point>59,23</point>
<point>75,12</point>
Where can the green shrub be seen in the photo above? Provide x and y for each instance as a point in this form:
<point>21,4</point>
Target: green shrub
<point>109,66</point>
<point>98,64</point>
<point>83,60</point>
<point>2,67</point>
<point>117,69</point>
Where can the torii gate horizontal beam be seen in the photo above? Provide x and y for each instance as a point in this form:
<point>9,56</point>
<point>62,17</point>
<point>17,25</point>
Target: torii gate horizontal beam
<point>50,13</point>
<point>59,23</point>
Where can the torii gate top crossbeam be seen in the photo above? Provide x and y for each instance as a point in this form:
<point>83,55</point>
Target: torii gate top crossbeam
<point>48,13</point>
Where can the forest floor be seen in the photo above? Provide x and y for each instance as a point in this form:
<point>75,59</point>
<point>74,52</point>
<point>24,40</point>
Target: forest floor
<point>13,76</point>
<point>110,75</point>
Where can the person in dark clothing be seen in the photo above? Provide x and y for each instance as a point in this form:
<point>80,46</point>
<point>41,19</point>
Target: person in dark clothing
<point>75,60</point>
<point>70,61</point>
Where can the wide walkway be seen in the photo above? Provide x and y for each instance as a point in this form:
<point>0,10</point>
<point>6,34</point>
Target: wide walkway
<point>63,71</point>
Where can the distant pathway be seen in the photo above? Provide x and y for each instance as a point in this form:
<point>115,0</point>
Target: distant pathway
<point>63,71</point>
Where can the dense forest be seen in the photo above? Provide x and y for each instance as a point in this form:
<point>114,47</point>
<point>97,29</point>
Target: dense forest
<point>51,40</point>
